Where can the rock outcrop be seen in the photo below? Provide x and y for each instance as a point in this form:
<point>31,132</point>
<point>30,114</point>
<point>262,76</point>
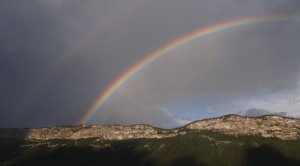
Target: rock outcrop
<point>266,126</point>
<point>87,131</point>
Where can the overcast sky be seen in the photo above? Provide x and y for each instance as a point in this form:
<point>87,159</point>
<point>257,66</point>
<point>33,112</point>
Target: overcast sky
<point>58,56</point>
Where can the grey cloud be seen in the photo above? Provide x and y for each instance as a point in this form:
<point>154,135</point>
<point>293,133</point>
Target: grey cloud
<point>34,35</point>
<point>244,63</point>
<point>275,6</point>
<point>260,112</point>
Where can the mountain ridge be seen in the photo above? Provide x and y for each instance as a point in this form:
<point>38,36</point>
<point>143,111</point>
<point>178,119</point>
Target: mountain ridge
<point>285,128</point>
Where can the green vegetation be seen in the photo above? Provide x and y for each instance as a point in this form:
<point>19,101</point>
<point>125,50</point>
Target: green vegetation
<point>194,148</point>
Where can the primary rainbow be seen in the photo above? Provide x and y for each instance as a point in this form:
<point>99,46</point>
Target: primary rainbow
<point>103,97</point>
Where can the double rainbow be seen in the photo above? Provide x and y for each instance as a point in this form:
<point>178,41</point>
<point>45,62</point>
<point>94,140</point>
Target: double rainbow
<point>202,32</point>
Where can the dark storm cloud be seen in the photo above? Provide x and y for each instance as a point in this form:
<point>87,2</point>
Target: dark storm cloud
<point>35,34</point>
<point>29,41</point>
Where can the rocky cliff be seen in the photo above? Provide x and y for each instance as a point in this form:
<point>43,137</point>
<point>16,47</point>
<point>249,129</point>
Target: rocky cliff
<point>88,131</point>
<point>266,126</point>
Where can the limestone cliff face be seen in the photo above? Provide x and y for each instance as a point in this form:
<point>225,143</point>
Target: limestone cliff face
<point>86,131</point>
<point>267,126</point>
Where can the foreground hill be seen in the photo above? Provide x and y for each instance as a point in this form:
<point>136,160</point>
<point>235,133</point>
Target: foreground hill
<point>228,140</point>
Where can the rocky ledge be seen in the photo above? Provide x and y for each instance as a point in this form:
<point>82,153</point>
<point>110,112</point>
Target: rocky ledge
<point>267,126</point>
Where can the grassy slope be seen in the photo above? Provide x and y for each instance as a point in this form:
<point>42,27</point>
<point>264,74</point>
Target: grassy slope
<point>201,148</point>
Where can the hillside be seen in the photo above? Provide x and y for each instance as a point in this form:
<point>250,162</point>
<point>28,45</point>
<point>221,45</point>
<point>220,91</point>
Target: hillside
<point>227,140</point>
<point>266,126</point>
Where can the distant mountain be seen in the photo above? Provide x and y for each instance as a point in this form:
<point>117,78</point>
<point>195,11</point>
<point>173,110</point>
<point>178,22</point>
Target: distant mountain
<point>228,140</point>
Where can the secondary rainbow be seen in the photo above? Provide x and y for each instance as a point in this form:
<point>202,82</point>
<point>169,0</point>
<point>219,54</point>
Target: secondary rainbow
<point>77,48</point>
<point>106,94</point>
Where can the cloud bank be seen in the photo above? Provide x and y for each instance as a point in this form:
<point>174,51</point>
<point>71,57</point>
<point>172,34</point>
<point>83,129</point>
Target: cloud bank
<point>240,69</point>
<point>259,112</point>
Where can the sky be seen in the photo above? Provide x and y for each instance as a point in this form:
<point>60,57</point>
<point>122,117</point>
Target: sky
<point>58,56</point>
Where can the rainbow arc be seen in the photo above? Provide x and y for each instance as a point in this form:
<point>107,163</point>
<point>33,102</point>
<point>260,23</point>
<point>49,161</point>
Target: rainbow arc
<point>202,32</point>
